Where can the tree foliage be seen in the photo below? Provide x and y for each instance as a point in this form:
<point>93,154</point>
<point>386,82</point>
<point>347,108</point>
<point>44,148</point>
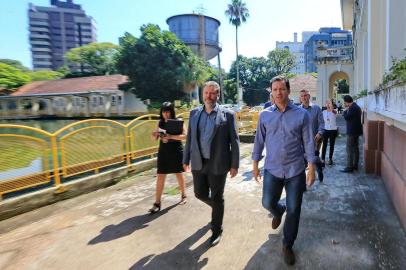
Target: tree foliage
<point>159,65</point>
<point>44,75</point>
<point>254,77</point>
<point>256,72</point>
<point>11,77</point>
<point>397,71</point>
<point>281,61</point>
<point>95,58</point>
<point>342,86</point>
<point>15,63</point>
<point>237,13</point>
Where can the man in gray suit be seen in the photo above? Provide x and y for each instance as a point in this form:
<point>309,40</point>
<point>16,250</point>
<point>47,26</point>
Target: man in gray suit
<point>212,148</point>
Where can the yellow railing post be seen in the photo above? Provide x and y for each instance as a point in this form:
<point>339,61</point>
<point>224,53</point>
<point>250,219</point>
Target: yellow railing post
<point>127,145</point>
<point>54,149</point>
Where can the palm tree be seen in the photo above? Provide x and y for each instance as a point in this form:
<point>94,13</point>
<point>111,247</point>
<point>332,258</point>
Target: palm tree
<point>237,12</point>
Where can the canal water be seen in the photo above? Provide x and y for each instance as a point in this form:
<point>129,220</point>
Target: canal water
<point>36,164</point>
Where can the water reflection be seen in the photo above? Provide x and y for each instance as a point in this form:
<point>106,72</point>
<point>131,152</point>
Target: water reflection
<point>34,167</point>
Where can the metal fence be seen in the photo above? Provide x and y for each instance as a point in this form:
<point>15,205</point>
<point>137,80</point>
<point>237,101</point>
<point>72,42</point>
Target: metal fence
<point>31,158</point>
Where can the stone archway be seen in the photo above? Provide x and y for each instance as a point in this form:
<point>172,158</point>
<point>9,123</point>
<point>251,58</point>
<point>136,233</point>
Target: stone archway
<point>333,78</point>
<point>327,73</point>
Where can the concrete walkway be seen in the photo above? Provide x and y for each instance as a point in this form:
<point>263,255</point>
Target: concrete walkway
<point>347,222</point>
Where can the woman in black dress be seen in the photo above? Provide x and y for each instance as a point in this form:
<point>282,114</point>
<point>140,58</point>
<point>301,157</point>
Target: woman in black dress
<point>169,155</point>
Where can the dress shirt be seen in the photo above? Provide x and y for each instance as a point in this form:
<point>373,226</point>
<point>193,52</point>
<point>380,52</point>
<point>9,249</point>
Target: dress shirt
<point>287,136</point>
<point>316,118</point>
<point>207,123</point>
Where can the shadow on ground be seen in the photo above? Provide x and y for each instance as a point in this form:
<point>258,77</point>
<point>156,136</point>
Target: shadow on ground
<point>180,257</point>
<point>127,227</point>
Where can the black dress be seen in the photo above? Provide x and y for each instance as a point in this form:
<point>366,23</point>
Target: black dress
<point>170,155</point>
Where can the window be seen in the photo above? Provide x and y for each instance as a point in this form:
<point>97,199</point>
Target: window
<point>101,101</point>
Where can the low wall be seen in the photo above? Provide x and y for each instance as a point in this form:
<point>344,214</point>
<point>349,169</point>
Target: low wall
<point>385,142</point>
<point>21,204</point>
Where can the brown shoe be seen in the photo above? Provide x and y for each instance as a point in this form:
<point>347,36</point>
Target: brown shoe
<point>288,255</point>
<point>276,221</point>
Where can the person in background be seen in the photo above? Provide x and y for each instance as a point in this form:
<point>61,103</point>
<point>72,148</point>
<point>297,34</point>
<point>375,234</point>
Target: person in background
<point>339,106</point>
<point>317,122</point>
<point>330,131</point>
<point>170,155</point>
<point>270,102</point>
<point>352,115</point>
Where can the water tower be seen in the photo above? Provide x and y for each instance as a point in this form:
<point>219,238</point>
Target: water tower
<point>200,33</point>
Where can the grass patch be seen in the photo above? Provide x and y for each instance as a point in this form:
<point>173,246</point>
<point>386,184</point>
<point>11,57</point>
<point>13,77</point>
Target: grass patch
<point>171,191</point>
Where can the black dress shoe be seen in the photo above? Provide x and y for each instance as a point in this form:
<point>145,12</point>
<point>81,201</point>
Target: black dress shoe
<point>347,170</point>
<point>215,238</point>
<point>330,162</point>
<point>288,255</point>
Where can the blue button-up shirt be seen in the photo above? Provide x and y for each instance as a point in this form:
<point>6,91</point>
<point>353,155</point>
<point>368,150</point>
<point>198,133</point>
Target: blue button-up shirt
<point>316,118</point>
<point>207,122</point>
<point>287,136</point>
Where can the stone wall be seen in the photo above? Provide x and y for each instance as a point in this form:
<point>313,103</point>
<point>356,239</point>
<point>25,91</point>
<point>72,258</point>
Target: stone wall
<point>385,142</point>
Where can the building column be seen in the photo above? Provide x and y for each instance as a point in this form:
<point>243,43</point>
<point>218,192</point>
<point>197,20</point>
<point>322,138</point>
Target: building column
<point>50,106</point>
<point>322,84</point>
<point>4,108</point>
<point>395,32</point>
<point>376,42</point>
<point>34,106</point>
<point>107,105</point>
<point>20,109</point>
<point>69,106</point>
<point>87,106</point>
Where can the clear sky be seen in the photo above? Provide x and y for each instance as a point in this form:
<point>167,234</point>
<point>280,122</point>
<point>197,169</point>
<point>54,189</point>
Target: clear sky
<point>270,21</point>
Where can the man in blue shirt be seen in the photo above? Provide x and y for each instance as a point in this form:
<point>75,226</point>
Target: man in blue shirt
<point>285,131</point>
<point>317,120</point>
<point>269,103</point>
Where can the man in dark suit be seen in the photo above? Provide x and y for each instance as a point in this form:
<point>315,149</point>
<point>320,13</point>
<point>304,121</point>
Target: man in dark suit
<point>352,115</point>
<point>212,148</point>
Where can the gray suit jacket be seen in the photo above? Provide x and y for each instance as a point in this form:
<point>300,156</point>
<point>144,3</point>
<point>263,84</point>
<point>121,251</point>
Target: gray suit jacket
<point>224,149</point>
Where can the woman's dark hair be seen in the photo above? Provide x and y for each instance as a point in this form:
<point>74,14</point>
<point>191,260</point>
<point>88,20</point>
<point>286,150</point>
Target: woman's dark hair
<point>348,98</point>
<point>167,107</point>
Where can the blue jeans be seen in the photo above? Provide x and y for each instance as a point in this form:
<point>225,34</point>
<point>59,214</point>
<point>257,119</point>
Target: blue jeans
<point>272,190</point>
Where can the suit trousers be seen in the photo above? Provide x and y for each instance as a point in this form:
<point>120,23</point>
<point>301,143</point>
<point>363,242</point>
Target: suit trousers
<point>352,151</point>
<point>209,188</point>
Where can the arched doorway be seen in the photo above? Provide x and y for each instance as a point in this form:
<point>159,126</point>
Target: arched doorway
<point>334,77</point>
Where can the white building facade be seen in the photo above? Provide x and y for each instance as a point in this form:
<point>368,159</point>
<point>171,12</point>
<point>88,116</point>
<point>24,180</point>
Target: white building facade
<point>297,49</point>
<point>378,37</point>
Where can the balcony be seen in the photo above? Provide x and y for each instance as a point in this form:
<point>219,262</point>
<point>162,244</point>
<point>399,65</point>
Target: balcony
<point>334,54</point>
